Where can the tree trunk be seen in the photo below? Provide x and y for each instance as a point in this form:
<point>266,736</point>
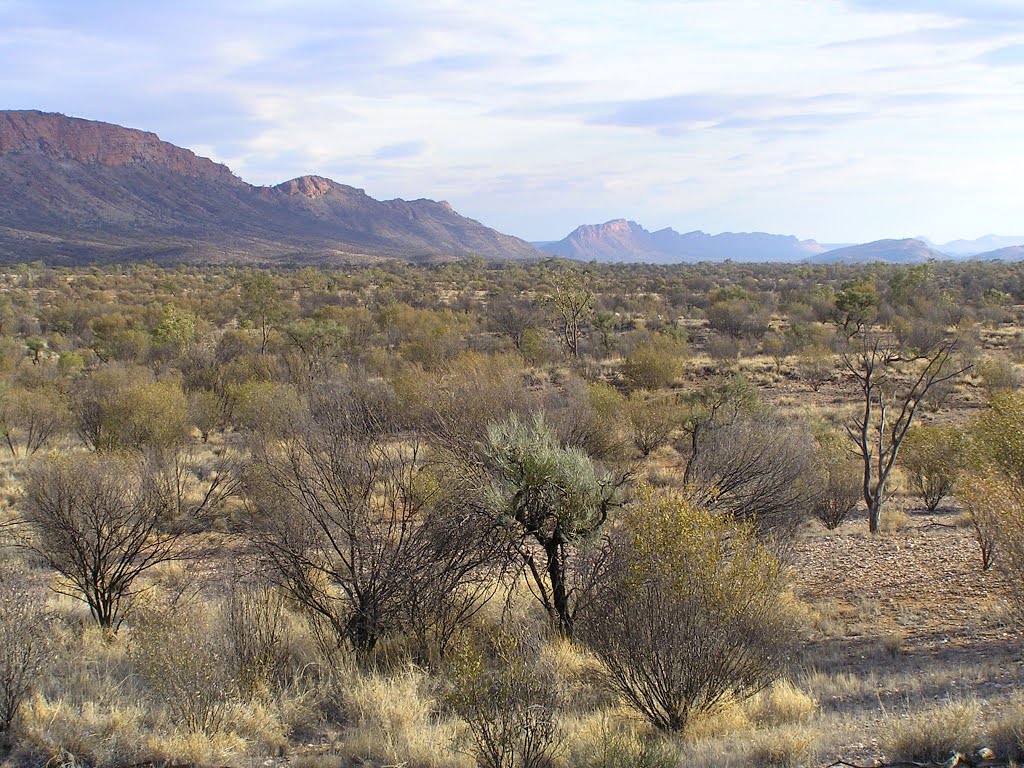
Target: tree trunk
<point>562,618</point>
<point>874,514</point>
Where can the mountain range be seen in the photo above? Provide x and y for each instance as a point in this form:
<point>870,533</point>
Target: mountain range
<point>626,241</point>
<point>621,240</point>
<point>74,190</point>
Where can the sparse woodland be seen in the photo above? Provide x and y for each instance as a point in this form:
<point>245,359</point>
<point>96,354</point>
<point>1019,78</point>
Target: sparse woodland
<point>552,515</point>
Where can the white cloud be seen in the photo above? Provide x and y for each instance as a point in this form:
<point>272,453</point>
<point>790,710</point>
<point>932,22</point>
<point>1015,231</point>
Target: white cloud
<point>530,115</point>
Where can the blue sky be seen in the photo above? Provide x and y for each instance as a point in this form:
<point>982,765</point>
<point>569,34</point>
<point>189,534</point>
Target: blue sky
<point>842,120</point>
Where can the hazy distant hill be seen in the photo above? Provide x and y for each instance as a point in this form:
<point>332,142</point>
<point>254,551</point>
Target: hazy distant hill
<point>76,189</point>
<point>1012,253</point>
<point>909,251</point>
<point>985,244</point>
<point>621,240</point>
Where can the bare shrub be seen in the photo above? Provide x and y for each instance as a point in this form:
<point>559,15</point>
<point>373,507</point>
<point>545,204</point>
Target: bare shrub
<point>507,697</point>
<point>816,366</point>
<point>353,531</point>
<point>758,469</point>
<point>840,487</point>
<point>932,456</point>
<point>988,497</point>
<point>32,419</point>
<point>97,521</point>
<point>686,614</point>
<point>255,625</point>
<point>186,659</point>
<point>653,420</point>
<point>23,645</point>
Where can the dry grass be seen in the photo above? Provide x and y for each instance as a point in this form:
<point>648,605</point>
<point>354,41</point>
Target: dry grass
<point>782,704</point>
<point>394,719</point>
<point>793,746</point>
<point>933,734</point>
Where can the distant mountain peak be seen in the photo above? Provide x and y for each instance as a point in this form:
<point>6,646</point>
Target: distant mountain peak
<point>307,186</point>
<point>625,240</point>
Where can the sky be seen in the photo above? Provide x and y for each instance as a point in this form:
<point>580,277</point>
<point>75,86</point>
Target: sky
<point>839,120</point>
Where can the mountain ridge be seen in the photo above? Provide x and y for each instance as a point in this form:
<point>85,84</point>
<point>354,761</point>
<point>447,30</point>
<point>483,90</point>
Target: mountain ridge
<point>74,189</point>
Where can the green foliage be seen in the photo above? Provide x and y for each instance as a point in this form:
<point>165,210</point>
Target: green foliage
<point>542,486</point>
<point>175,330</point>
<point>266,407</point>
<point>997,435</point>
<point>552,498</point>
<point>686,613</point>
<point>654,363</point>
<point>856,305</point>
<point>119,408</point>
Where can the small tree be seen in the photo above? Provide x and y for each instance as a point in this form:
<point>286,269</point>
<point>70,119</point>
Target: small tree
<point>261,304</point>
<point>573,300</point>
<point>97,521</point>
<point>892,384</point>
<point>686,612</point>
<point>554,499</point>
<point>932,456</point>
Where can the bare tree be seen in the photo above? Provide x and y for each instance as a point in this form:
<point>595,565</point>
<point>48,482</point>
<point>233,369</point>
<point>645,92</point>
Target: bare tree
<point>892,384</point>
<point>97,521</point>
<point>514,318</point>
<point>572,299</point>
<point>355,532</point>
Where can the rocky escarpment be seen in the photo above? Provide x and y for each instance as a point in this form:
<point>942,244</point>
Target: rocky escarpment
<point>90,142</point>
<point>73,190</point>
